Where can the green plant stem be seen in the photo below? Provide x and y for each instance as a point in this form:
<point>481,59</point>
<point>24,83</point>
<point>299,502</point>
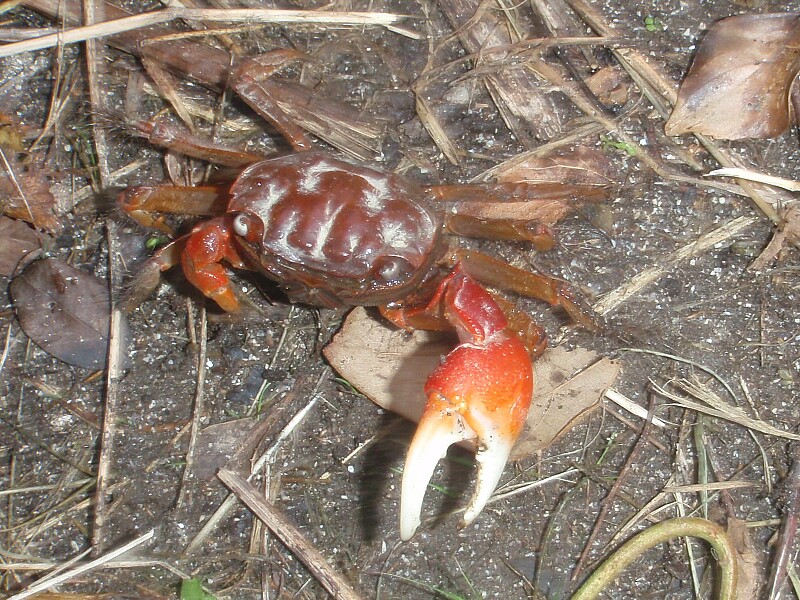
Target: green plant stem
<point>666,530</point>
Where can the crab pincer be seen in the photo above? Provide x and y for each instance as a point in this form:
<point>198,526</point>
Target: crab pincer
<point>481,393</point>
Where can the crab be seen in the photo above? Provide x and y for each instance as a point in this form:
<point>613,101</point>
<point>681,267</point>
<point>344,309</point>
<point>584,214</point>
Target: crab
<point>333,233</point>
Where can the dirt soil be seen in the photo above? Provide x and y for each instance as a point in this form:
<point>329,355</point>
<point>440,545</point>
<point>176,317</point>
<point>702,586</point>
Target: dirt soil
<point>194,382</point>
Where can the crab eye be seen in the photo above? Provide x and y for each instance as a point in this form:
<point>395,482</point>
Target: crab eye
<point>392,269</point>
<point>241,225</point>
<point>249,227</point>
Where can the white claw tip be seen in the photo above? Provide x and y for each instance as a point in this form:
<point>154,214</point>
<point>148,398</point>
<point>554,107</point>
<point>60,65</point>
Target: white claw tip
<point>491,459</point>
<point>430,444</point>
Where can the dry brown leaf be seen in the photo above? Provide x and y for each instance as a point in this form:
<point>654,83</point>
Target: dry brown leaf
<point>610,85</point>
<point>584,168</point>
<point>19,241</point>
<point>65,311</point>
<point>547,211</point>
<point>25,194</point>
<point>738,85</point>
<point>216,444</point>
<point>386,364</point>
<point>569,384</point>
<point>390,366</point>
<point>749,579</point>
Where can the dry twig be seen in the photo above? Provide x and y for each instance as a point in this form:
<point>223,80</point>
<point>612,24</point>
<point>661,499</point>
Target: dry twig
<point>112,399</point>
<point>290,536</point>
<point>711,404</point>
<point>197,408</point>
<point>48,582</point>
<point>172,13</point>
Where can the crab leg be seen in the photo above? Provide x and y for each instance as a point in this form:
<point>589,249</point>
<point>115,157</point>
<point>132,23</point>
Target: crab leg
<point>200,253</point>
<point>493,272</point>
<point>480,393</point>
<point>144,203</point>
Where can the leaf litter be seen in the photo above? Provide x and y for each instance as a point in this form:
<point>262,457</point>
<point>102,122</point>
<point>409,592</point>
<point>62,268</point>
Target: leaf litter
<point>698,300</point>
<point>65,311</point>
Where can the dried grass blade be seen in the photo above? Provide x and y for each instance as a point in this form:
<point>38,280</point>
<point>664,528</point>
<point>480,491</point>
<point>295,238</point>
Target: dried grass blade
<point>266,15</point>
<point>635,285</point>
<point>711,404</point>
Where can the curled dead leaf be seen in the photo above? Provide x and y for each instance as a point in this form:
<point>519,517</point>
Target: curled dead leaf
<point>739,83</point>
<point>390,366</point>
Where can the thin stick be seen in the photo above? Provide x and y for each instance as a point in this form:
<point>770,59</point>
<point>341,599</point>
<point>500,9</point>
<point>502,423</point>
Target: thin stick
<point>44,585</point>
<point>621,478</point>
<point>749,175</point>
<point>244,457</point>
<point>632,426</point>
<point>632,407</point>
<point>96,71</point>
<point>197,410</point>
<point>290,536</point>
<point>247,15</point>
<point>721,410</point>
<point>635,285</point>
<point>113,376</point>
<point>12,177</point>
<point>6,346</point>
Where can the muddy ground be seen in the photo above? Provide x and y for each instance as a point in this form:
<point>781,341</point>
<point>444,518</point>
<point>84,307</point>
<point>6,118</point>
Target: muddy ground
<point>706,318</point>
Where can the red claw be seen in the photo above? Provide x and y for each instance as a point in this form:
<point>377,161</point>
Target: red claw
<point>481,392</point>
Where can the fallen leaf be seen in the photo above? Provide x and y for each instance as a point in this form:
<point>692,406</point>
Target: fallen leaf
<point>748,583</point>
<point>390,366</point>
<point>610,85</point>
<point>386,364</point>
<point>587,170</point>
<point>569,385</point>
<point>65,311</point>
<point>545,210</point>
<point>216,444</point>
<point>25,194</point>
<point>738,85</point>
<point>19,240</point>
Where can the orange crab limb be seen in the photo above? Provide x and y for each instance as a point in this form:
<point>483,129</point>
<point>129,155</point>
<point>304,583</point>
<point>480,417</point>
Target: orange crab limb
<point>206,247</point>
<point>199,253</point>
<point>143,203</point>
<point>481,392</point>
